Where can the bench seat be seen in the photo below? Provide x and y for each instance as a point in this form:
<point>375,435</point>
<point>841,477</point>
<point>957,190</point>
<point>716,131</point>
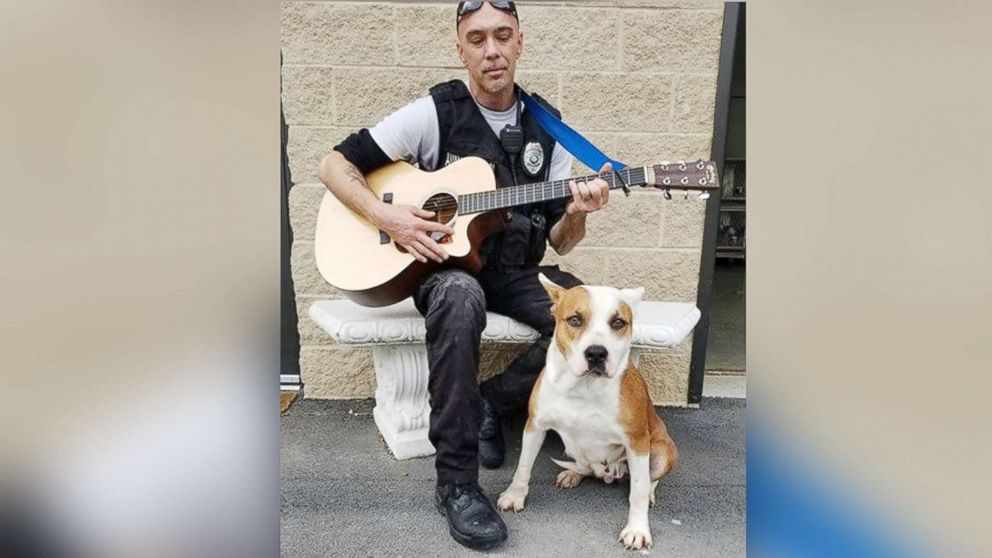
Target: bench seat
<point>396,335</point>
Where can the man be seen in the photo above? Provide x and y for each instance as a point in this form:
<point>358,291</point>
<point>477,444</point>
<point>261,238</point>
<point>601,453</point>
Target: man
<point>457,119</point>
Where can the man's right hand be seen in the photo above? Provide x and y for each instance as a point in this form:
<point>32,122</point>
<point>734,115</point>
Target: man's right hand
<point>410,227</point>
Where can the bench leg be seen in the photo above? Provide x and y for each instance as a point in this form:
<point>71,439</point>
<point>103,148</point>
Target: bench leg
<point>402,410</point>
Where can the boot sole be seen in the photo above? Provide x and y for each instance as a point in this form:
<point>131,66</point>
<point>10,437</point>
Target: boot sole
<point>465,540</point>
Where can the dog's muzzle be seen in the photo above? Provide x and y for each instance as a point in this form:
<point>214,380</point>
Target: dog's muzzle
<point>596,359</point>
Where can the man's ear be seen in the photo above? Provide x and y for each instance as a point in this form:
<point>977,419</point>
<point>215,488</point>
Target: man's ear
<point>633,296</point>
<point>554,291</point>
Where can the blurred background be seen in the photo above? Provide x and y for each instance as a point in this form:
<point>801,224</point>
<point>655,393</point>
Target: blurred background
<point>140,244</point>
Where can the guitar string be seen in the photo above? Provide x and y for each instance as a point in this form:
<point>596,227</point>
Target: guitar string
<point>527,193</point>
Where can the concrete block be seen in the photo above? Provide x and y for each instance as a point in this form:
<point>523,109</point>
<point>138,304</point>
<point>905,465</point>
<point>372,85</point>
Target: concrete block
<point>569,39</point>
<point>337,372</point>
<point>304,206</point>
<point>655,4</point>
<point>308,95</point>
<point>306,146</point>
<point>617,101</point>
<point>591,265</point>
<point>651,149</point>
<point>672,40</point>
<point>426,36</point>
<point>667,376</point>
<point>306,279</point>
<point>695,102</point>
<point>683,221</point>
<point>685,347</point>
<point>544,84</point>
<point>310,332</point>
<point>337,33</point>
<point>670,275</point>
<point>366,95</point>
<point>633,221</point>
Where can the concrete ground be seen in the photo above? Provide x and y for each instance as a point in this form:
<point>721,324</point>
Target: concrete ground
<point>343,494</point>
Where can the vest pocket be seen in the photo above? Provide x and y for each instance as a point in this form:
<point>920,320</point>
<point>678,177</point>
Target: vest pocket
<point>516,240</point>
<point>538,235</point>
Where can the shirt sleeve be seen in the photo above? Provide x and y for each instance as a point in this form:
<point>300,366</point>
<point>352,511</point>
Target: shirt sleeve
<point>410,134</point>
<point>561,163</point>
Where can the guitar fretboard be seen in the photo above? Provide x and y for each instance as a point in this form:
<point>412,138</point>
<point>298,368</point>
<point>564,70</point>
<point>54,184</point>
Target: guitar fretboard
<point>512,196</point>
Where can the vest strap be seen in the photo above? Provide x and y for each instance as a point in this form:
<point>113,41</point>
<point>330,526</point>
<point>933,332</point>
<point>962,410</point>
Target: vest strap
<point>454,89</point>
<point>583,150</point>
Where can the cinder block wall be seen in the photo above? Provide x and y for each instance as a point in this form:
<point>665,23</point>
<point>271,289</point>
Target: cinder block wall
<point>638,78</point>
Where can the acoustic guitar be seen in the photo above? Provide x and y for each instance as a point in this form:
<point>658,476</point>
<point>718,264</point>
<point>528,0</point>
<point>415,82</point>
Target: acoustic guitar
<point>361,261</point>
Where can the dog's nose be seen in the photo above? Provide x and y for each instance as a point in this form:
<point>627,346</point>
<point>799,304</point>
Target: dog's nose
<point>596,354</point>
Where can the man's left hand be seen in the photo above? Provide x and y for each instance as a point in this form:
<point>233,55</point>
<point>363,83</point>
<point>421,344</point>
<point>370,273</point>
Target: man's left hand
<point>589,196</point>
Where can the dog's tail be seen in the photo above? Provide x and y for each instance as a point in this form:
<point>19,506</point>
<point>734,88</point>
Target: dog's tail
<point>570,465</point>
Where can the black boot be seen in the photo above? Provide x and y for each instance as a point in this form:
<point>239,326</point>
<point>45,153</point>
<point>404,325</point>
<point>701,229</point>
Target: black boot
<point>472,519</point>
<point>491,446</point>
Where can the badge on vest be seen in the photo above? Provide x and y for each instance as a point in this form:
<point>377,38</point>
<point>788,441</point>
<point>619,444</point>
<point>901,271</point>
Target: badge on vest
<point>533,158</point>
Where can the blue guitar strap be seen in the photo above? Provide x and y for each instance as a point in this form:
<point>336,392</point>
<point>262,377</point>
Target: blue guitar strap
<point>583,150</point>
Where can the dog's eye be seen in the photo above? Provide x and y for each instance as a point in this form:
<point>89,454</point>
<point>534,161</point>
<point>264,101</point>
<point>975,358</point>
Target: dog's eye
<point>618,324</point>
<point>575,321</point>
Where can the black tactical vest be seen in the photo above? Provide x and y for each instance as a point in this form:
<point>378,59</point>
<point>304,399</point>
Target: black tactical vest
<point>465,132</point>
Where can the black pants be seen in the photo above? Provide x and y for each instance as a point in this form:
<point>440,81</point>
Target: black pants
<point>454,305</point>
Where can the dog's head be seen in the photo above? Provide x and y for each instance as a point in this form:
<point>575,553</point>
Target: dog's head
<point>593,326</point>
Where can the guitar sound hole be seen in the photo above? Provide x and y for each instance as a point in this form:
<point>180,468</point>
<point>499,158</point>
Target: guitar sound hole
<point>445,208</point>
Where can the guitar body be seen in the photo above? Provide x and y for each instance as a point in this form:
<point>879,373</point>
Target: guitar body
<point>358,259</point>
<point>354,257</point>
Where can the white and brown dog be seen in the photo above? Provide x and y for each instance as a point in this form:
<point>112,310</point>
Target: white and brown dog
<point>598,403</point>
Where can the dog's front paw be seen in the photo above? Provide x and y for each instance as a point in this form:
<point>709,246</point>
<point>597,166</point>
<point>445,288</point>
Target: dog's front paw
<point>512,499</point>
<point>635,537</point>
<point>569,479</point>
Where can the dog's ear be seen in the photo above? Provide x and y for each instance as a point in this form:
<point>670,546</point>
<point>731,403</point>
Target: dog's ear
<point>554,291</point>
<point>633,296</point>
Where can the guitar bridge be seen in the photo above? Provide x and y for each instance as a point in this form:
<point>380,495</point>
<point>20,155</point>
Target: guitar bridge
<point>383,237</point>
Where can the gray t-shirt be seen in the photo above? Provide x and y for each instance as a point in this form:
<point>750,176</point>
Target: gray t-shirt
<point>411,134</point>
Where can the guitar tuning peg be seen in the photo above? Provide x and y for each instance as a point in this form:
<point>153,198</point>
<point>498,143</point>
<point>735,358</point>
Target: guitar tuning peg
<point>704,195</point>
<point>667,194</point>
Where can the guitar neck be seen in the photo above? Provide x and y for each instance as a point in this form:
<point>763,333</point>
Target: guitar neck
<point>513,196</point>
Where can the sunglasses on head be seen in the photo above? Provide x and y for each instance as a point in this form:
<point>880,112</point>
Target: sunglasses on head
<point>465,8</point>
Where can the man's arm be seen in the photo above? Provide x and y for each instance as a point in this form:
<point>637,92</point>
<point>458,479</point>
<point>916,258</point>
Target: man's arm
<point>586,198</point>
<point>406,225</point>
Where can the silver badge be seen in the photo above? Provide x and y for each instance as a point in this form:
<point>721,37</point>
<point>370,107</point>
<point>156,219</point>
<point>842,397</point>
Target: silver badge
<point>533,158</point>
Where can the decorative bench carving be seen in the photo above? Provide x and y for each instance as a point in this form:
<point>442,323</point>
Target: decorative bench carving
<point>396,335</point>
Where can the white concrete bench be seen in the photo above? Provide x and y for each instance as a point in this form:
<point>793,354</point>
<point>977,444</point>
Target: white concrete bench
<point>396,335</point>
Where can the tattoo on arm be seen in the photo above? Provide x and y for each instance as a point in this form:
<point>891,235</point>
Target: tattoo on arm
<point>352,172</point>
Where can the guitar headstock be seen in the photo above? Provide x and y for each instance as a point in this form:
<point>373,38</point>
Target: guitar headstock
<point>683,175</point>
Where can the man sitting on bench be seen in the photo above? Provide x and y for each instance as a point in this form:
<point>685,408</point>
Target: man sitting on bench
<point>458,119</point>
